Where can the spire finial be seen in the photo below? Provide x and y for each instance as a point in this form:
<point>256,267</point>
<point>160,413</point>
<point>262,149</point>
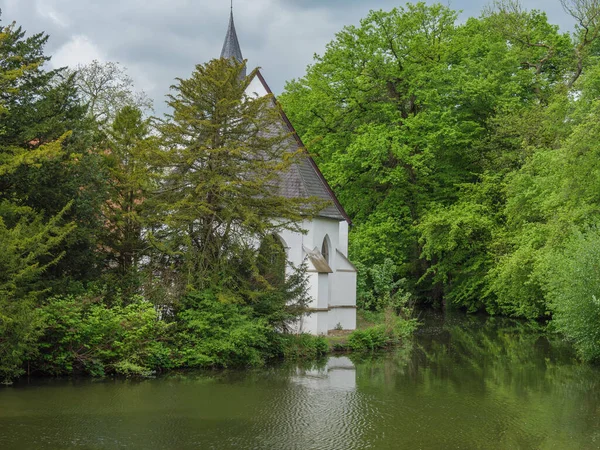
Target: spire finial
<point>231,5</point>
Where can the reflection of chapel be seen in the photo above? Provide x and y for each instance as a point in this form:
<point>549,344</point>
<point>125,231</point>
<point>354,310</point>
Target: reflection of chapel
<point>324,247</point>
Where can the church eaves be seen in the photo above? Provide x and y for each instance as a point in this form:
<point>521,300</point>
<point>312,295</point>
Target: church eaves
<point>231,46</point>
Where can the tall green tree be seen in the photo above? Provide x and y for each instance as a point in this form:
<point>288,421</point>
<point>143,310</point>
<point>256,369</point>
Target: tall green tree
<point>544,202</point>
<point>420,124</point>
<point>30,242</point>
<point>397,111</point>
<point>130,182</point>
<point>371,109</point>
<point>44,108</point>
<point>223,154</point>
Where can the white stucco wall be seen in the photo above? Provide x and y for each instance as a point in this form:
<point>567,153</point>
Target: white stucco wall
<point>345,289</point>
<point>328,291</point>
<point>344,317</point>
<point>313,289</point>
<point>343,238</point>
<point>256,88</point>
<point>344,281</point>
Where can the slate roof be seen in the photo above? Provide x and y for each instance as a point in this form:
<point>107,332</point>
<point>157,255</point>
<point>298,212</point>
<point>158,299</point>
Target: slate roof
<point>304,179</point>
<point>318,260</point>
<point>231,46</point>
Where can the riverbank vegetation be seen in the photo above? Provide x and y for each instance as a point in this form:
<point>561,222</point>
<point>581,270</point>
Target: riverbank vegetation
<point>466,154</point>
<point>375,330</point>
<point>129,242</point>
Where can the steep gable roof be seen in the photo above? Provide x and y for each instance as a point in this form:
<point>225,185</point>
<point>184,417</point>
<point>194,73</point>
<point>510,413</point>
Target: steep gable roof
<point>304,179</point>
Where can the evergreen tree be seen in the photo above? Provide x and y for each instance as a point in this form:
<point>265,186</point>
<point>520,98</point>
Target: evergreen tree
<point>223,154</point>
<point>43,112</point>
<point>130,182</point>
<point>30,241</point>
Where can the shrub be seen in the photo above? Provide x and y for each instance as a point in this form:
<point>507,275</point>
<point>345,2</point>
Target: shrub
<point>82,335</point>
<point>301,346</point>
<point>391,330</point>
<point>212,333</point>
<point>373,338</point>
<point>21,325</point>
<point>574,292</point>
<point>378,287</point>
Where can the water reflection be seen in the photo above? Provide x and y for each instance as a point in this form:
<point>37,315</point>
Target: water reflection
<point>323,410</point>
<point>338,373</point>
<point>484,383</point>
<point>463,383</point>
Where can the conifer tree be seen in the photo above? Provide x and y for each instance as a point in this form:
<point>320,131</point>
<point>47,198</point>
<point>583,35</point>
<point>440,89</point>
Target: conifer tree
<point>130,182</point>
<point>223,153</point>
<point>29,241</point>
<point>50,151</point>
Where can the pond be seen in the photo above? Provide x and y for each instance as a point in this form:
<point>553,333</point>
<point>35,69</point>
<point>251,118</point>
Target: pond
<point>465,382</point>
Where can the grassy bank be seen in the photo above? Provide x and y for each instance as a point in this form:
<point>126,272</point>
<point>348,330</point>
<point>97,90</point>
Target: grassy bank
<point>374,331</point>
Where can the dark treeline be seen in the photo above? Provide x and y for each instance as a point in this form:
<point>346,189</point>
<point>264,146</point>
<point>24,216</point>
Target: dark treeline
<point>467,155</point>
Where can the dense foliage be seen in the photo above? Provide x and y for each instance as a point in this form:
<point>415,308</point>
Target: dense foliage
<point>45,200</point>
<point>129,244</point>
<point>466,155</point>
<point>388,329</point>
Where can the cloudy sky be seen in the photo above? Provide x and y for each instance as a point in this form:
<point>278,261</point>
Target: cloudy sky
<point>158,40</point>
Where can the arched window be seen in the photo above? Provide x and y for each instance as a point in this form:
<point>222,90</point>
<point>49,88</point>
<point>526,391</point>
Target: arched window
<point>272,260</point>
<point>325,248</point>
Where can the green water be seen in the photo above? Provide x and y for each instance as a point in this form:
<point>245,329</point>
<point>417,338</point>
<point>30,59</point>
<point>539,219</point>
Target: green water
<point>464,383</point>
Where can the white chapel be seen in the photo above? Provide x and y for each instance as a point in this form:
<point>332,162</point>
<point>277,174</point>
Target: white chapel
<point>324,247</point>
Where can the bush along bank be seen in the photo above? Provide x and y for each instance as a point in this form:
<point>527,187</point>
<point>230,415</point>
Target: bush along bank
<point>82,335</point>
<point>376,331</point>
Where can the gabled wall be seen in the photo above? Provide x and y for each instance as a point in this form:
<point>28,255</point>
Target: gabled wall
<point>256,88</point>
<point>333,294</point>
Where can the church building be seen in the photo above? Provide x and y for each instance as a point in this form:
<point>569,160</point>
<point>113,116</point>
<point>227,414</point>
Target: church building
<point>324,247</point>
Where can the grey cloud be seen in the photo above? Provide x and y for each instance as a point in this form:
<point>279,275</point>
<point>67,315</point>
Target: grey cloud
<point>159,40</point>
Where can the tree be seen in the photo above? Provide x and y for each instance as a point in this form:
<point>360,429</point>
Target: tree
<point>372,109</point>
<point>397,111</point>
<point>573,289</point>
<point>130,182</point>
<point>587,16</point>
<point>420,125</point>
<point>30,243</point>
<point>223,153</point>
<point>105,88</point>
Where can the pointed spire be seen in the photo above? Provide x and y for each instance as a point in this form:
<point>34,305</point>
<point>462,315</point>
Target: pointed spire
<point>231,46</point>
